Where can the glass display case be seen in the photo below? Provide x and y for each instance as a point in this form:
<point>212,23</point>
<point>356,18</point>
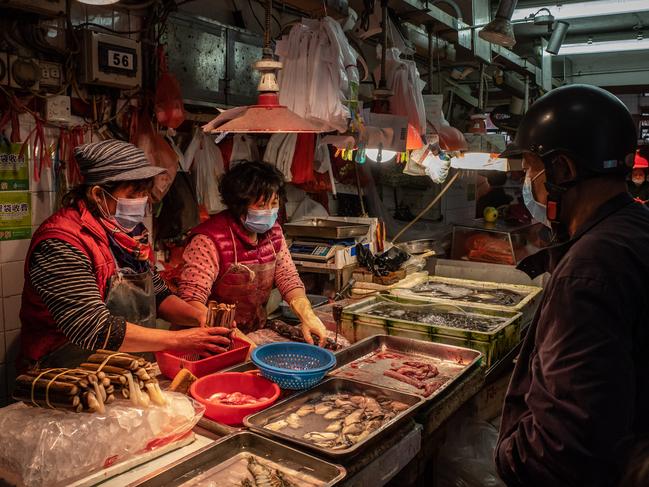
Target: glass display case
<point>498,242</point>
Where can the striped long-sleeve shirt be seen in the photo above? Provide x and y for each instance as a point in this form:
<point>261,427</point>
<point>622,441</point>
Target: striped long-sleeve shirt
<point>64,279</point>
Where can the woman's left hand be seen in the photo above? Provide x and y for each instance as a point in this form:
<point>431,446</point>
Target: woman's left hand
<point>313,326</point>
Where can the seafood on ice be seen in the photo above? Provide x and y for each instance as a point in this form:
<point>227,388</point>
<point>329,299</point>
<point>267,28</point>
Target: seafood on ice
<point>338,421</point>
<point>247,470</point>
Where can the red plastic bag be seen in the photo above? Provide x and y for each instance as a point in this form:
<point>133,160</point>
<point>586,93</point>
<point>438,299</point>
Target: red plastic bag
<point>158,152</point>
<point>169,107</point>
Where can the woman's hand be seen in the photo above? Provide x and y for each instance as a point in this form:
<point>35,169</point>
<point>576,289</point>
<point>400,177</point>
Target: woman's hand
<point>313,326</point>
<point>205,341</point>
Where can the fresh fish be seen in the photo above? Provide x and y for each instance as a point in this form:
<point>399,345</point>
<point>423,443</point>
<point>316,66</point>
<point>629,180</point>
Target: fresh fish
<point>320,436</point>
<point>353,429</point>
<point>398,406</point>
<point>305,410</point>
<point>334,427</point>
<point>277,425</point>
<point>294,421</point>
<point>334,414</point>
<point>263,475</point>
<point>323,408</point>
<point>354,417</point>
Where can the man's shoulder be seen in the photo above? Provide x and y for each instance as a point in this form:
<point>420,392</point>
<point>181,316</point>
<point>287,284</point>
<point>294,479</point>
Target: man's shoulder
<point>616,246</point>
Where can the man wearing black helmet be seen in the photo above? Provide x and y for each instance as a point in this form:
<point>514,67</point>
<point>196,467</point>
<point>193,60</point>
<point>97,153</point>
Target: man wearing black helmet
<point>579,395</point>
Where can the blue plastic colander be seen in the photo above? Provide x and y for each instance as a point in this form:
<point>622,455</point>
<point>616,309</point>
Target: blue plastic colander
<point>293,365</point>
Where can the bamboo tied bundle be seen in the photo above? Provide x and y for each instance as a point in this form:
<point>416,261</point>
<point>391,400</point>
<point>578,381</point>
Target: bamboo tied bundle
<point>131,375</point>
<point>220,314</point>
<point>75,390</point>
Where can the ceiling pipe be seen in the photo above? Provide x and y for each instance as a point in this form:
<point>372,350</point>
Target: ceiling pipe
<point>452,4</point>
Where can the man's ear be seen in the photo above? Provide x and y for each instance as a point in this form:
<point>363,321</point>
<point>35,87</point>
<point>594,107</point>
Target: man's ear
<point>564,169</point>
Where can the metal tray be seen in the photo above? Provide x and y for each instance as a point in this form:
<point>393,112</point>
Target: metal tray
<point>333,385</point>
<point>323,228</point>
<point>183,470</point>
<point>530,295</point>
<point>452,362</point>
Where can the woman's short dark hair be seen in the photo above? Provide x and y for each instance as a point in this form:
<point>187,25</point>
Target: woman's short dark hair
<point>248,182</point>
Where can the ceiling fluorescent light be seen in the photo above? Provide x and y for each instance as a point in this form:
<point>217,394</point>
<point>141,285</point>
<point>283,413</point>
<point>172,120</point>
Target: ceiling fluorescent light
<point>595,8</point>
<point>605,46</point>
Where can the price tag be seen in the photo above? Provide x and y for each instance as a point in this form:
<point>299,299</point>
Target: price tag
<point>120,60</point>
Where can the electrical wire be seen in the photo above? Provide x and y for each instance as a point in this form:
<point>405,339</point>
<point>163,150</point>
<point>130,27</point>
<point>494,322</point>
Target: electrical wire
<point>99,26</point>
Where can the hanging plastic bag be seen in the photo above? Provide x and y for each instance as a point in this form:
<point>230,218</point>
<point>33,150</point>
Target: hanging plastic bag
<point>158,152</point>
<point>205,159</point>
<point>169,107</point>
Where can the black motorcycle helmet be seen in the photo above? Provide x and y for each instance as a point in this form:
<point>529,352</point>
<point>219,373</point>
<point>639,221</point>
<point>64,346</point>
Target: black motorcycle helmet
<point>585,123</point>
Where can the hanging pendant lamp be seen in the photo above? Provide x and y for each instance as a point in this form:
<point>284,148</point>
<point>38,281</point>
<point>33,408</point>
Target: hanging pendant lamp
<point>267,116</point>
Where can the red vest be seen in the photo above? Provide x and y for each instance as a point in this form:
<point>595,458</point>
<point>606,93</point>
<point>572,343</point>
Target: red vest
<point>217,228</point>
<point>79,228</point>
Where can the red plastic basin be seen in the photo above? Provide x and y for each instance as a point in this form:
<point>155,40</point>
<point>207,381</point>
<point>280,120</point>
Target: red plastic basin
<point>171,362</point>
<point>246,383</point>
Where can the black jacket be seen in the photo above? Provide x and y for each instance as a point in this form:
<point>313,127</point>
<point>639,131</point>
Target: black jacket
<point>579,395</point>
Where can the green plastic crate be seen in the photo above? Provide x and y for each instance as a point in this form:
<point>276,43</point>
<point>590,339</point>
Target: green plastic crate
<point>358,324</point>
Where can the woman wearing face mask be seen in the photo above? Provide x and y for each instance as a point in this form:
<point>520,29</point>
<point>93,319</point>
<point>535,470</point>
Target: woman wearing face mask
<point>638,185</point>
<point>89,283</point>
<point>239,255</point>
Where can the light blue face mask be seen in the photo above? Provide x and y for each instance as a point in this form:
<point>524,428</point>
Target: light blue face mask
<point>536,209</point>
<point>260,221</point>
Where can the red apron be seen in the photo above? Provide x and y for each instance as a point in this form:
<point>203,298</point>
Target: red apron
<point>248,286</point>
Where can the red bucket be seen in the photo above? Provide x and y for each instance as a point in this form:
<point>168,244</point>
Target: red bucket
<point>171,362</point>
<point>228,382</point>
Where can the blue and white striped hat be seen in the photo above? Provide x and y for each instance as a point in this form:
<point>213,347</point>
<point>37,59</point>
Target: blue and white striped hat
<point>113,160</point>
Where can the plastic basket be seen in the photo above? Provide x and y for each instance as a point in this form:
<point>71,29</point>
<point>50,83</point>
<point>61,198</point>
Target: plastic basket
<point>170,362</point>
<point>294,366</point>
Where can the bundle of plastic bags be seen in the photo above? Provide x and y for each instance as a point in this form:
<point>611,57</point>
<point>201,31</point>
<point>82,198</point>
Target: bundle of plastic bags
<point>407,86</point>
<point>45,447</point>
<point>319,72</point>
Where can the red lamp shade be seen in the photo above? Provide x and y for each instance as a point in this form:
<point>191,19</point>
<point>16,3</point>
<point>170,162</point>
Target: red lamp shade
<point>268,116</point>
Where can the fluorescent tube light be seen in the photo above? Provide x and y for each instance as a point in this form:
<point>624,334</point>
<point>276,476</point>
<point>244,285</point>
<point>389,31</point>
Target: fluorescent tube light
<point>604,46</point>
<point>586,9</point>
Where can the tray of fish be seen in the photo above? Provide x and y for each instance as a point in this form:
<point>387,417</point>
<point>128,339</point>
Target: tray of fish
<point>491,331</point>
<point>508,297</point>
<point>337,418</point>
<point>246,459</point>
<point>406,365</point>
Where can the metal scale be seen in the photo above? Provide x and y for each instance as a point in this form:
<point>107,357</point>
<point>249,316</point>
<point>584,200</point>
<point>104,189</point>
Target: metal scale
<point>319,239</point>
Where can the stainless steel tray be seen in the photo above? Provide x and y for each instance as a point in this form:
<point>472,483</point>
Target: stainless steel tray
<point>452,362</point>
<point>323,228</point>
<point>335,385</point>
<point>183,470</point>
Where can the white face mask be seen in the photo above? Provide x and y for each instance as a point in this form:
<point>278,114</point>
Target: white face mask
<point>130,212</point>
<point>638,180</point>
<point>536,209</point>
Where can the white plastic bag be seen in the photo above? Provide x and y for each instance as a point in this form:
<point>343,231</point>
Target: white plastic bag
<point>204,158</point>
<point>46,447</point>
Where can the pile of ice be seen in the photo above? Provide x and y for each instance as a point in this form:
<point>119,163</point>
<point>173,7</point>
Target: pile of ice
<point>44,447</point>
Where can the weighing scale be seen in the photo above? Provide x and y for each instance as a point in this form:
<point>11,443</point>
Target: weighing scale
<point>318,250</point>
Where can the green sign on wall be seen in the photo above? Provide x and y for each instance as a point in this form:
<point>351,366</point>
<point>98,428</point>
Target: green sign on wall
<point>14,168</point>
<point>15,215</point>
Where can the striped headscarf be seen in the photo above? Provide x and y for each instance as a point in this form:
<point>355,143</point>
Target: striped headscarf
<point>113,160</point>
